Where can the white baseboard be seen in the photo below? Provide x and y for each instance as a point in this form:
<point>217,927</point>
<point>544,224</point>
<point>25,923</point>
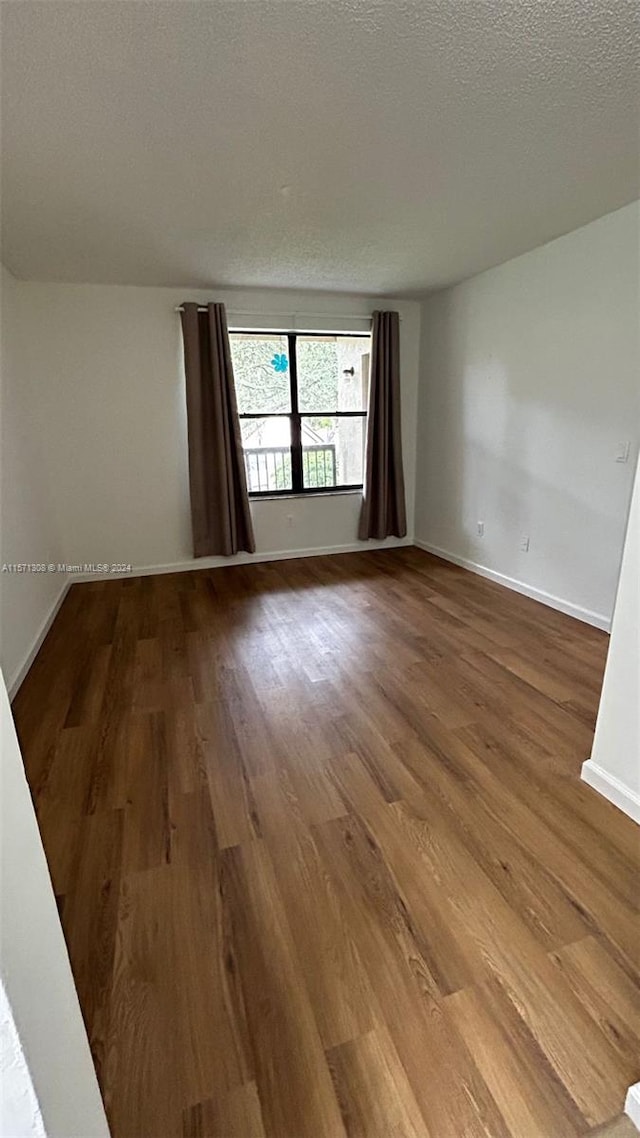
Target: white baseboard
<point>14,682</point>
<point>614,790</point>
<point>246,559</point>
<point>597,619</point>
<point>632,1105</point>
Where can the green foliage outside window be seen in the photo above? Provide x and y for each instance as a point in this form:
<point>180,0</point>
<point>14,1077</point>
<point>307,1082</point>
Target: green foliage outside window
<point>260,387</point>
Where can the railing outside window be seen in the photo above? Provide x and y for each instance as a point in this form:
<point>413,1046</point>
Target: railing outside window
<point>269,468</point>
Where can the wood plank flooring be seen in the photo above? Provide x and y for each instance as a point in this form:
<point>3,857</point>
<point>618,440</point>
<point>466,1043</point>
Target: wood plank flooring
<point>324,863</point>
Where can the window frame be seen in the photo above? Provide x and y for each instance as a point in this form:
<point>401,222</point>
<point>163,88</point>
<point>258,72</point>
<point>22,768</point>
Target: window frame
<point>296,416</point>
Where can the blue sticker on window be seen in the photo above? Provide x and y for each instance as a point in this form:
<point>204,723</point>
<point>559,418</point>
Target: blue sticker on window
<point>279,362</point>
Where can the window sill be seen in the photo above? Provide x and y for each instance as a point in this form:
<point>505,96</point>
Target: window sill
<point>303,496</point>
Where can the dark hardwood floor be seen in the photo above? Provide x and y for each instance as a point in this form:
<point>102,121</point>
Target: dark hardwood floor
<point>323,859</point>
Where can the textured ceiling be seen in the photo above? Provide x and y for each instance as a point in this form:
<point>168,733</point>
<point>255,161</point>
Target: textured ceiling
<point>382,147</point>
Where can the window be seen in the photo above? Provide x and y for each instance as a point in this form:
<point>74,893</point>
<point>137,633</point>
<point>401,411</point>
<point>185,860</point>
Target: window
<point>302,401</point>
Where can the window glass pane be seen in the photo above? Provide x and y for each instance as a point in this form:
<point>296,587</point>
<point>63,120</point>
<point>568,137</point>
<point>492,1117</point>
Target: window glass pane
<point>261,372</point>
<point>333,373</point>
<point>332,451</point>
<point>267,453</point>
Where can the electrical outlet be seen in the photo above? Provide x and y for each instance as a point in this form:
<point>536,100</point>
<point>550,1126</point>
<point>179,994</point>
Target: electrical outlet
<point>289,520</point>
<point>480,529</point>
<point>622,454</point>
<point>524,544</point>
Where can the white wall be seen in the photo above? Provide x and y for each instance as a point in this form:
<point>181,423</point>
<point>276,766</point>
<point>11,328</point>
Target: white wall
<point>28,528</point>
<point>530,380</point>
<point>35,970</point>
<point>107,365</point>
<point>20,1115</point>
<point>614,766</point>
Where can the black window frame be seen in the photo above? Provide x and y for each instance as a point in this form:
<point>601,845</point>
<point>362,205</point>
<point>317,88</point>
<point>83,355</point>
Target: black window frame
<point>296,416</point>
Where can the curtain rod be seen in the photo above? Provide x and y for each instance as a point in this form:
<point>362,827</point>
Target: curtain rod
<point>296,315</point>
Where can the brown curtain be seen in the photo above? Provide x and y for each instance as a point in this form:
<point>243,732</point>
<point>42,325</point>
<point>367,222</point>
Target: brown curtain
<point>383,509</point>
<point>220,515</point>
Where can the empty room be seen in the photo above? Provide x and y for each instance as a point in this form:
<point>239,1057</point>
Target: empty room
<point>320,569</point>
